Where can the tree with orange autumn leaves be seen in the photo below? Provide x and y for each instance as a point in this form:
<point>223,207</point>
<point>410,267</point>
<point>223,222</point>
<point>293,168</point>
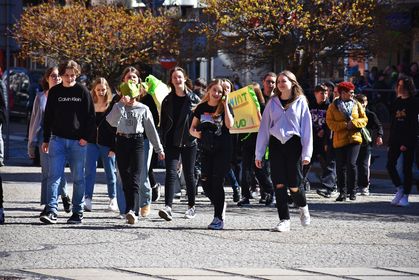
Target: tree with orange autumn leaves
<point>294,34</point>
<point>103,39</point>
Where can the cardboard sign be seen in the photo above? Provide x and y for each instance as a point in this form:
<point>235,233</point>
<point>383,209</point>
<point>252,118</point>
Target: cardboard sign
<point>246,110</point>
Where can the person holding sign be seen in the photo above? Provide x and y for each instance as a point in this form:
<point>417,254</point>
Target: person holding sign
<point>286,127</point>
<point>211,122</point>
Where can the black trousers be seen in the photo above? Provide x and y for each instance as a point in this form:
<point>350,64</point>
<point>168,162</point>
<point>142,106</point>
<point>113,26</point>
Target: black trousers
<point>408,156</point>
<point>188,156</point>
<point>1,192</point>
<point>364,162</point>
<point>287,171</point>
<point>130,158</point>
<point>346,169</point>
<point>214,167</point>
<point>249,168</point>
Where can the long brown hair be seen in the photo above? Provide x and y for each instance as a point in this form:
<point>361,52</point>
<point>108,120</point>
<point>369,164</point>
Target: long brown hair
<point>296,89</point>
<point>172,86</point>
<point>104,82</point>
<point>206,98</point>
<point>44,81</point>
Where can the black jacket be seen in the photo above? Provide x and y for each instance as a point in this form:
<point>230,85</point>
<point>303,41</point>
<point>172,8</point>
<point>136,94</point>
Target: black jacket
<point>181,136</point>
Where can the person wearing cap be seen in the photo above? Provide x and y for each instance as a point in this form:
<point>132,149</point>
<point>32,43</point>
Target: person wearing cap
<point>132,119</point>
<point>68,121</point>
<point>345,117</point>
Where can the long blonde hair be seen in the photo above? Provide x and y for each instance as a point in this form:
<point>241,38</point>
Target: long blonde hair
<point>206,98</point>
<point>104,82</point>
<point>296,89</point>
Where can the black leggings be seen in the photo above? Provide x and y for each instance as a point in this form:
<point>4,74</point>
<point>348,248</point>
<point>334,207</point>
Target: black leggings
<point>286,169</point>
<point>214,167</point>
<point>408,156</point>
<point>1,192</point>
<point>188,156</point>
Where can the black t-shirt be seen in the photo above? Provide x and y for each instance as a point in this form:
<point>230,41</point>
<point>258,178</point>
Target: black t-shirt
<point>205,113</point>
<point>178,102</point>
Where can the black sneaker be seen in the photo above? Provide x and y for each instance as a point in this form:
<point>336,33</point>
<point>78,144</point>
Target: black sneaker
<point>66,203</point>
<point>155,192</point>
<point>76,218</point>
<point>243,202</point>
<point>236,194</point>
<point>341,197</point>
<point>1,216</point>
<point>324,192</point>
<point>269,199</point>
<point>44,212</point>
<point>49,218</point>
<point>352,196</point>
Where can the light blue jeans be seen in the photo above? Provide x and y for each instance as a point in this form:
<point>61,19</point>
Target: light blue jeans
<point>62,188</point>
<point>145,187</point>
<point>92,155</point>
<point>62,150</point>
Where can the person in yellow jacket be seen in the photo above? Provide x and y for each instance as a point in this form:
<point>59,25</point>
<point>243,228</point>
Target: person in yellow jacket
<point>345,118</point>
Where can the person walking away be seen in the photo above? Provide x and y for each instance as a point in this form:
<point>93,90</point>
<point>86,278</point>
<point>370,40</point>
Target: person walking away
<point>211,123</point>
<point>68,122</point>
<point>286,127</point>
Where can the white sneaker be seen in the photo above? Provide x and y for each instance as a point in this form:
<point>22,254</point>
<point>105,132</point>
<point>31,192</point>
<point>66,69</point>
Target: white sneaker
<point>131,218</point>
<point>365,191</point>
<point>88,204</point>
<point>166,213</point>
<point>305,216</point>
<point>404,201</point>
<point>121,216</point>
<point>283,225</point>
<point>190,213</point>
<point>398,196</point>
<point>113,205</point>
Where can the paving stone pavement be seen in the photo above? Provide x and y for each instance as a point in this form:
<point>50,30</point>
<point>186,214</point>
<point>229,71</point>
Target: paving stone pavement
<point>365,239</point>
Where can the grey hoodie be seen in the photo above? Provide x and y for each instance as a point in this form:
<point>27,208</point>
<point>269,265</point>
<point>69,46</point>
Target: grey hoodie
<point>135,119</point>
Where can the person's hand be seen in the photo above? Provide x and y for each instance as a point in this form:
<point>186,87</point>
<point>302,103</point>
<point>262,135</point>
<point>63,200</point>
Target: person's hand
<point>82,142</point>
<point>162,156</point>
<point>403,148</point>
<point>306,162</point>
<point>379,141</point>
<point>45,147</point>
<point>258,163</point>
<point>31,152</point>
<point>111,154</point>
<point>349,125</point>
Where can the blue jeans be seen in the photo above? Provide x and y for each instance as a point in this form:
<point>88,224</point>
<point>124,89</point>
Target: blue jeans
<point>92,155</point>
<point>62,188</point>
<point>145,187</point>
<point>62,150</point>
<point>120,195</point>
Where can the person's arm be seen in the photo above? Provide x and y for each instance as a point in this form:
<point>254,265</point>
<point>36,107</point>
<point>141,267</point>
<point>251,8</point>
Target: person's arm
<point>152,135</point>
<point>34,127</point>
<point>193,130</point>
<point>263,135</point>
<point>332,123</point>
<point>306,134</point>
<point>115,115</point>
<point>362,119</point>
<point>228,116</point>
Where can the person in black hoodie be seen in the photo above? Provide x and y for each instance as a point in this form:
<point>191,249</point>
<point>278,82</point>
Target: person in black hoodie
<point>364,156</point>
<point>176,118</point>
<point>68,121</point>
<point>322,150</point>
<point>101,144</point>
<point>403,136</point>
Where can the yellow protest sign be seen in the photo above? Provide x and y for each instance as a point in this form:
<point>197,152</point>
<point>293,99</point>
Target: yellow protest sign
<point>246,110</point>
